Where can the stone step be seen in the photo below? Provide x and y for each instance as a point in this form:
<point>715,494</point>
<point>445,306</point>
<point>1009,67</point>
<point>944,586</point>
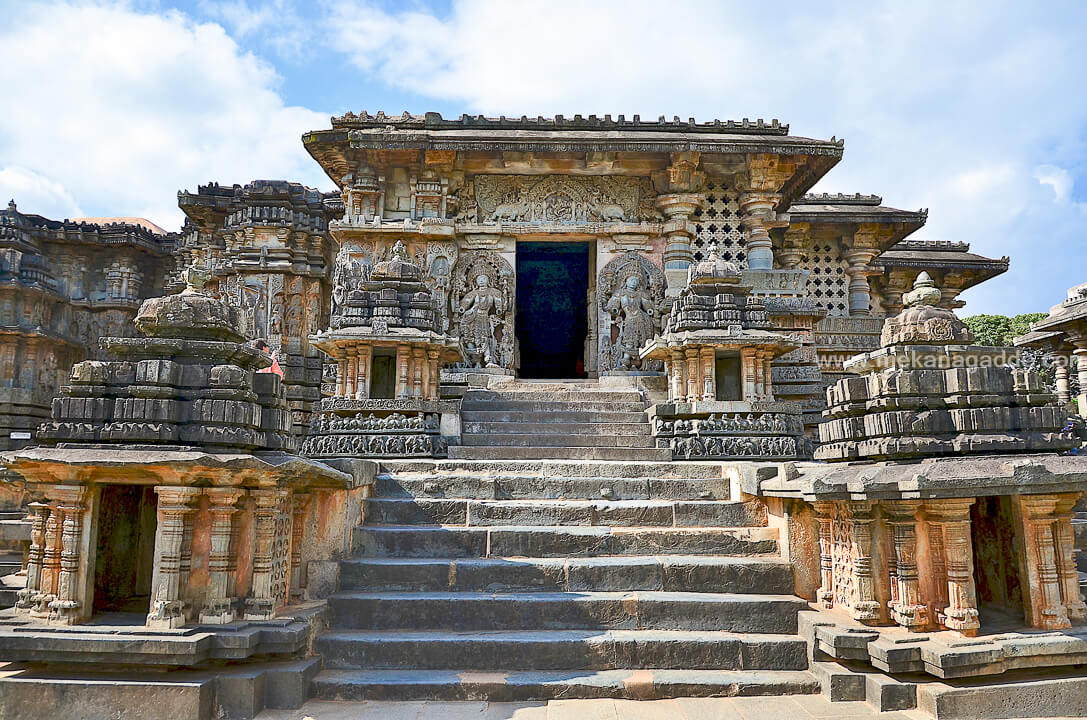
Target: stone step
<point>531,541</point>
<point>528,685</point>
<point>546,406</point>
<point>1048,695</point>
<point>557,440</point>
<point>556,428</point>
<point>486,486</point>
<point>630,513</point>
<point>559,468</point>
<point>675,573</point>
<point>545,395</point>
<point>461,452</point>
<point>464,611</point>
<point>562,650</point>
<point>555,416</point>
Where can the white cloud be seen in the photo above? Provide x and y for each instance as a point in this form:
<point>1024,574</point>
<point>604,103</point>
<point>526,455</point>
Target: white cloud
<point>125,108</point>
<point>275,22</point>
<point>37,194</point>
<point>945,105</point>
<point>1057,178</point>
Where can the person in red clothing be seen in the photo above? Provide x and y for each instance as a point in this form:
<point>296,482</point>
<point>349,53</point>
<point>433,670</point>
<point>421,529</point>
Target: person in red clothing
<point>262,345</point>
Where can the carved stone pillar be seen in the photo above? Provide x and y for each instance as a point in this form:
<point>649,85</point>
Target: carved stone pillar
<point>175,512</point>
<point>757,212</point>
<point>39,513</point>
<point>953,515</point>
<point>768,376</point>
<point>299,506</point>
<point>709,374</point>
<point>678,230</point>
<point>260,605</point>
<point>864,606</point>
<point>351,388</point>
<point>794,249</point>
<point>47,587</point>
<point>860,294</point>
<point>1081,370</point>
<point>341,378</point>
<point>907,609</point>
<point>67,607</point>
<point>222,557</point>
<point>433,391</point>
<point>824,514</point>
<point>1066,559</point>
<point>1045,604</point>
<point>418,362</point>
<point>362,374</point>
<point>1061,362</point>
<point>747,367</point>
<point>678,381</point>
<point>403,384</point>
<point>692,374</point>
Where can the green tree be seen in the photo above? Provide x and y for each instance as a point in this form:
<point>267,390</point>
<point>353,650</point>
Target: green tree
<point>1000,330</point>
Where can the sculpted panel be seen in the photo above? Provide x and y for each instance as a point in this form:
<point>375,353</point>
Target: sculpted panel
<point>631,291</point>
<point>562,199</point>
<point>481,300</point>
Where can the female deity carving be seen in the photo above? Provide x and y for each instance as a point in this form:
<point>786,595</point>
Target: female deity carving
<point>634,312</point>
<point>481,311</point>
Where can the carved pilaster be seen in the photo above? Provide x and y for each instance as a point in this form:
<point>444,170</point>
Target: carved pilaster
<point>222,558</point>
<point>676,370</point>
<point>907,609</point>
<point>864,606</point>
<point>678,229</point>
<point>757,212</point>
<point>47,587</point>
<point>403,384</point>
<point>39,513</point>
<point>1045,604</point>
<point>1066,560</point>
<point>709,374</point>
<point>67,607</point>
<point>824,515</point>
<point>794,249</point>
<point>175,510</point>
<point>261,603</point>
<point>953,517</point>
<point>299,507</point>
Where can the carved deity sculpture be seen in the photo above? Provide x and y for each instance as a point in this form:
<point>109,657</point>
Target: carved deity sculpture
<point>481,312</point>
<point>634,312</point>
<point>347,276</point>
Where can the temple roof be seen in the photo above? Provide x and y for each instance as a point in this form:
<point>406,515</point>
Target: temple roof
<point>856,208</point>
<point>363,139</point>
<point>1069,316</point>
<point>212,203</point>
<point>139,221</point>
<point>942,254</point>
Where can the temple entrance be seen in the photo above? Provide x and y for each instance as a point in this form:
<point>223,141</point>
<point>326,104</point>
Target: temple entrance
<point>552,308</point>
<point>126,549</point>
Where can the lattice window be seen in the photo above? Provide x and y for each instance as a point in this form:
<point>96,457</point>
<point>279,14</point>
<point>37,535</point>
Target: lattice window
<point>718,221</point>
<point>828,284</point>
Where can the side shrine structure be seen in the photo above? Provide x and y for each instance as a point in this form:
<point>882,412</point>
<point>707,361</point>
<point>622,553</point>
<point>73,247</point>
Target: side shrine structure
<point>523,409</point>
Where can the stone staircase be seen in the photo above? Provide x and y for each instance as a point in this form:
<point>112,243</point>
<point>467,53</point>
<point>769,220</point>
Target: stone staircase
<point>555,420</point>
<point>528,580</point>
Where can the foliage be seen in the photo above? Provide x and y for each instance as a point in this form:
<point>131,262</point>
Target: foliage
<point>1000,330</point>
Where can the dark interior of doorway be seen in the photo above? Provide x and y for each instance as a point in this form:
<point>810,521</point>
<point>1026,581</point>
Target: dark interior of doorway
<point>552,308</point>
<point>126,549</point>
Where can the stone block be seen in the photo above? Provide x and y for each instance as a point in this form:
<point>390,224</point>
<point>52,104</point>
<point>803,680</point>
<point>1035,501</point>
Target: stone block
<point>839,683</point>
<point>885,693</point>
<point>79,698</point>
<point>322,578</point>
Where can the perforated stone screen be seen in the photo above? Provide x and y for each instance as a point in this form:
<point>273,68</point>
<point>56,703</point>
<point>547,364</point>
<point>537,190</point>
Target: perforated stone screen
<point>718,221</point>
<point>828,284</point>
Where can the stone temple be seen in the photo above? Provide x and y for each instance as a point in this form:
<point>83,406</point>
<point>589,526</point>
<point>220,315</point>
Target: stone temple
<point>548,408</point>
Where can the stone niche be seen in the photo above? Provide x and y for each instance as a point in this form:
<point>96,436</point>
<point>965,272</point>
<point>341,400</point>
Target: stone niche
<point>168,492</point>
<point>717,352</point>
<point>389,350</point>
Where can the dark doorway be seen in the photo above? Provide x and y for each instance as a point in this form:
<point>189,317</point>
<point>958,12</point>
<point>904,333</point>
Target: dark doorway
<point>552,308</point>
<point>126,549</point>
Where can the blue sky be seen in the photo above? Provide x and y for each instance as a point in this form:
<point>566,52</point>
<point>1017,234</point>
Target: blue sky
<point>973,110</point>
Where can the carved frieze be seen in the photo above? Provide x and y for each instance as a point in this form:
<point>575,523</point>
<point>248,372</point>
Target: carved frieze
<point>562,199</point>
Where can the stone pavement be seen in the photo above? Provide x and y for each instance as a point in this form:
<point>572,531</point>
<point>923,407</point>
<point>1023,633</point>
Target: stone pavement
<point>805,707</point>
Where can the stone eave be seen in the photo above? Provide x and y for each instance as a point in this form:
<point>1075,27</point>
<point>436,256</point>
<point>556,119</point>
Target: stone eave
<point>149,465</point>
<point>949,477</point>
<point>980,267</point>
<point>335,149</point>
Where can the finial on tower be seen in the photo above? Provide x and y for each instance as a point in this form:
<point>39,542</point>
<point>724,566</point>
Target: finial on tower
<point>924,292</point>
